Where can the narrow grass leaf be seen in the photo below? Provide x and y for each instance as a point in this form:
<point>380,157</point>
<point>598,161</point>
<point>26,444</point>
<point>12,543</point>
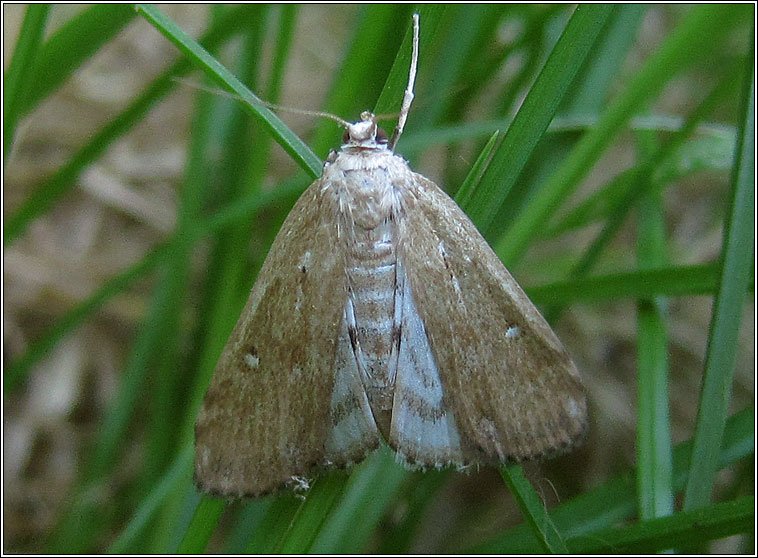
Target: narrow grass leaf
<point>654,489</point>
<point>419,494</point>
<point>468,188</point>
<point>596,77</point>
<point>534,511</point>
<point>537,110</point>
<point>370,492</point>
<point>71,46</point>
<point>204,520</point>
<point>293,145</point>
<point>168,382</point>
<point>615,500</point>
<point>737,261</point>
<point>178,474</point>
<point>703,27</point>
<point>682,528</point>
<point>17,78</point>
<point>701,279</point>
<point>314,511</point>
<point>52,188</point>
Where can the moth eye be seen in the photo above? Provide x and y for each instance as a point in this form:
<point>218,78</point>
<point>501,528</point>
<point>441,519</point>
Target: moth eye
<point>346,137</point>
<point>381,135</point>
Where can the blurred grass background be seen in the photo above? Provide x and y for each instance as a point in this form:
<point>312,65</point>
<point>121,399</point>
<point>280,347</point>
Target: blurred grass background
<point>137,211</point>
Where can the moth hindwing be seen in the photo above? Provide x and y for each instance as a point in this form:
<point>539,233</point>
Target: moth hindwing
<point>381,313</point>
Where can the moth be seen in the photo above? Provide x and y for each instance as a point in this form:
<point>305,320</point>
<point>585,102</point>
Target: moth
<point>381,313</point>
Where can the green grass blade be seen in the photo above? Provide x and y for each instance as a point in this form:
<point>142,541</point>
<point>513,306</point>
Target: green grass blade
<point>534,511</point>
<point>701,279</point>
<point>203,524</point>
<point>463,37</point>
<point>704,26</point>
<point>177,475</point>
<point>654,489</point>
<point>293,145</point>
<point>607,504</point>
<point>643,175</point>
<point>537,36</point>
<point>52,188</point>
<point>17,79</point>
<point>471,183</point>
<point>419,494</point>
<point>286,34</point>
<point>312,514</point>
<point>72,45</point>
<point>276,522</point>
<point>538,109</point>
<point>168,388</point>
<point>591,86</point>
<point>737,262</point>
<point>17,371</point>
<point>682,528</point>
<point>370,492</point>
<point>245,523</point>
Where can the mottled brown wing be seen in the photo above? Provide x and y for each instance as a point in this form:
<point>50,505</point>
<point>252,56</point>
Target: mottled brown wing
<point>265,416</point>
<point>512,388</point>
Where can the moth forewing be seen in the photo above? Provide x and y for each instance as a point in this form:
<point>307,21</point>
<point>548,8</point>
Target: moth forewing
<point>508,381</point>
<point>265,416</point>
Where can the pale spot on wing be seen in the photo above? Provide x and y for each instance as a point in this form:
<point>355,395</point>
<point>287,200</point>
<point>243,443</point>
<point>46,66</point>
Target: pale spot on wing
<point>252,361</point>
<point>512,332</point>
<point>453,278</point>
<point>305,261</point>
<point>573,408</point>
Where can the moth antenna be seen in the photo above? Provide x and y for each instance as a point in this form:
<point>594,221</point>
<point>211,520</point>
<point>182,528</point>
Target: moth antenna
<point>408,97</point>
<point>260,102</point>
<point>317,113</point>
<point>387,116</point>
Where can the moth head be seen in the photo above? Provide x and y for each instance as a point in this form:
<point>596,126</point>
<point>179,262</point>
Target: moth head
<point>364,134</point>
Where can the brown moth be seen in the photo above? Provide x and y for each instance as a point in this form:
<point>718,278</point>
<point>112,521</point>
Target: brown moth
<point>381,313</point>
